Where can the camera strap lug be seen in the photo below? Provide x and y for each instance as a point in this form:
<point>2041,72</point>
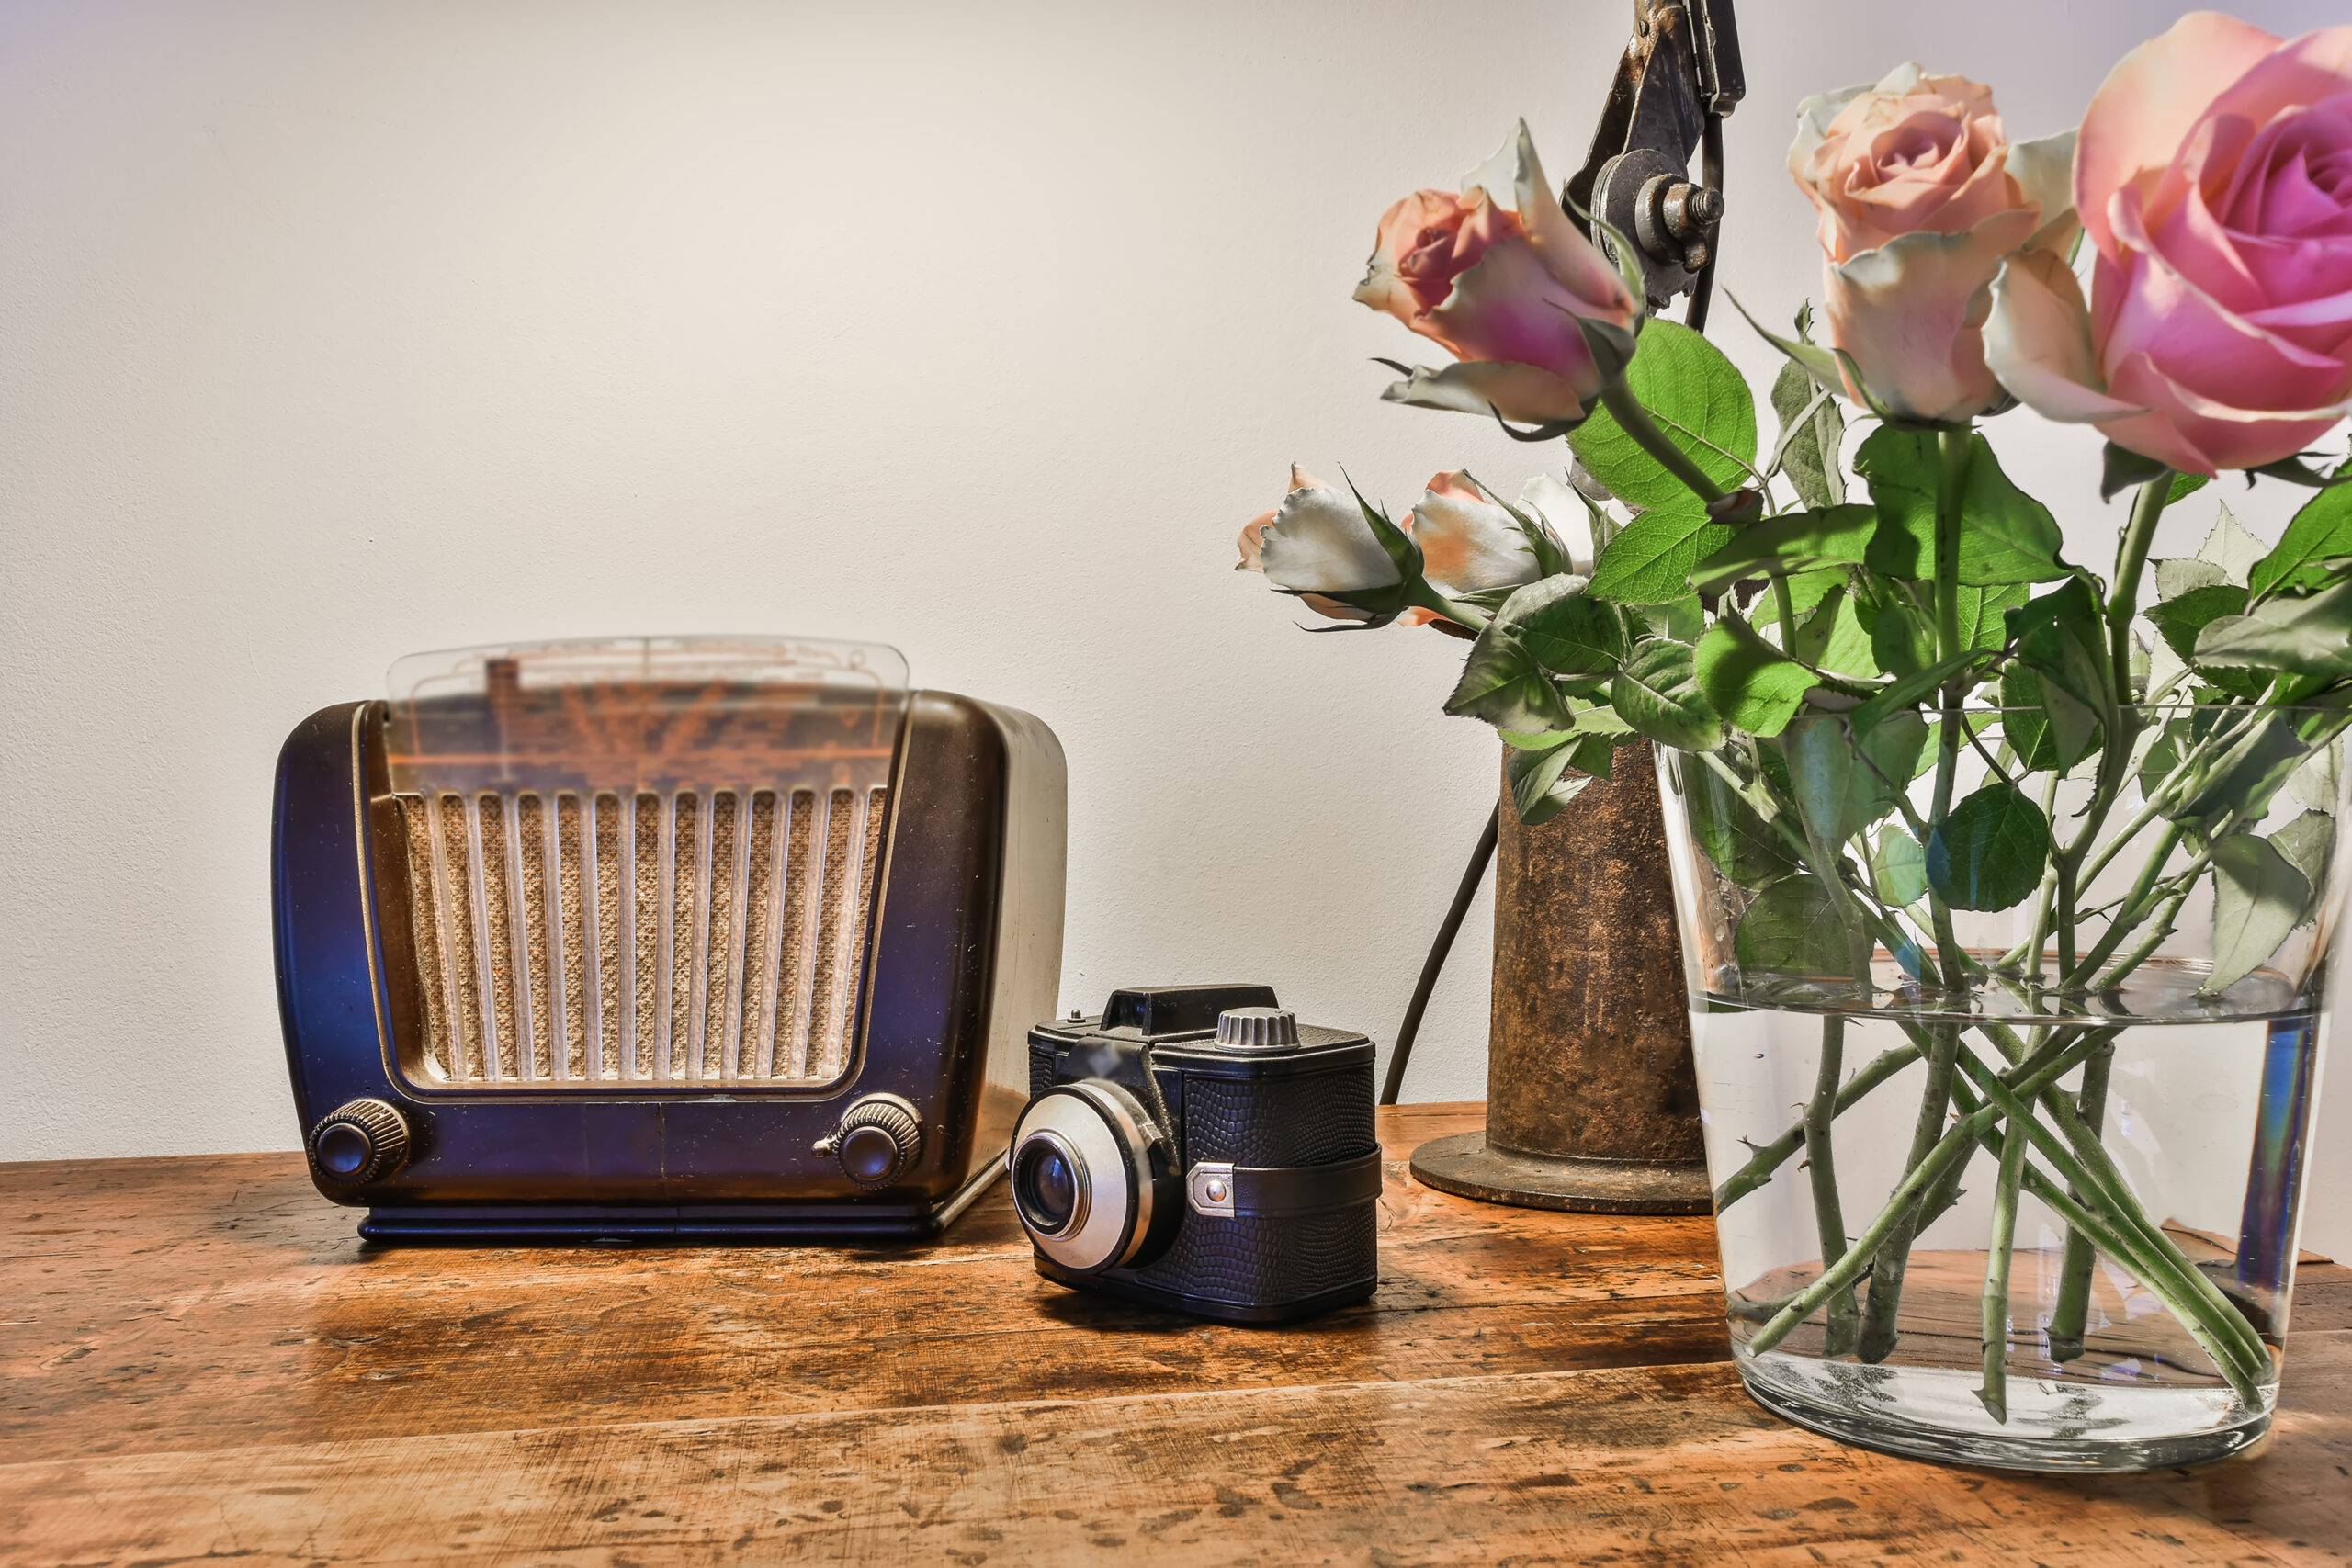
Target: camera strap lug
<point>1221,1190</point>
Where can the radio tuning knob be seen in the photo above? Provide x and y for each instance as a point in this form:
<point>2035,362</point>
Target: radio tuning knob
<point>358,1141</point>
<point>877,1141</point>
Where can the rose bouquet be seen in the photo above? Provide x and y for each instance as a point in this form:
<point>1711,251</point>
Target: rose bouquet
<point>2049,841</point>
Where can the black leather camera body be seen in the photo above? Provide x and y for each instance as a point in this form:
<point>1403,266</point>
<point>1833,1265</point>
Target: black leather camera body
<point>1197,1148</point>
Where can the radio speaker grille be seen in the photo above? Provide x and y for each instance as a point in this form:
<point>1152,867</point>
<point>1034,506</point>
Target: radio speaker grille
<point>702,939</point>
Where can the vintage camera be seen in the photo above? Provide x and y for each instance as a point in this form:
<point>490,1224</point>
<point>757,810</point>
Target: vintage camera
<point>1197,1147</point>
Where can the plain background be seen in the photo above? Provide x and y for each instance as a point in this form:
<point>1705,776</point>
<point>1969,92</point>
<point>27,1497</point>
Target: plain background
<point>331,333</point>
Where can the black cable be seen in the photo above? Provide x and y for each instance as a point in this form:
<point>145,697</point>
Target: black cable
<point>1472,875</point>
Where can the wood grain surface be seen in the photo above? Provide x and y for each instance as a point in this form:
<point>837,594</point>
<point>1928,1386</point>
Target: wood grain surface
<point>202,1362</point>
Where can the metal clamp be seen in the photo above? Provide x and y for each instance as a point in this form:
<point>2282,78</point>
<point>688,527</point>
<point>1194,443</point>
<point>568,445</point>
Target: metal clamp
<point>1225,1191</point>
<point>1679,77</point>
<point>1208,1189</point>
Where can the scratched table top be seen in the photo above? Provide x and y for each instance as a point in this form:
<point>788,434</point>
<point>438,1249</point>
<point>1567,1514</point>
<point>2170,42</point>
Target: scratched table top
<point>203,1361</point>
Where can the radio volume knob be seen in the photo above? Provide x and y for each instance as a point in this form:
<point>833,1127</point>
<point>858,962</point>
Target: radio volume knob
<point>358,1141</point>
<point>877,1141</point>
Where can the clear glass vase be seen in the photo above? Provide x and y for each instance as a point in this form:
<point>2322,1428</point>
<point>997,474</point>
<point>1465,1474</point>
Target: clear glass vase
<point>2007,1068</point>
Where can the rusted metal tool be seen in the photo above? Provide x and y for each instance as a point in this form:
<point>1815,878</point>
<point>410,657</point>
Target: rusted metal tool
<point>1680,75</point>
<point>1591,1101</point>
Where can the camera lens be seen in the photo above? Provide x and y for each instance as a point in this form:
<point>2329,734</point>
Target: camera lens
<point>1092,1178</point>
<point>1044,1184</point>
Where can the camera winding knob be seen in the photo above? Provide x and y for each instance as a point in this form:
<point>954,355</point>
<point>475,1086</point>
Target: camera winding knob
<point>1257,1029</point>
<point>359,1142</point>
<point>878,1140</point>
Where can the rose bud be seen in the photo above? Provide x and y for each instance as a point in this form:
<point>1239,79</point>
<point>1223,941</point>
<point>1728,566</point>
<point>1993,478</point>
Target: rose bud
<point>1315,543</point>
<point>1468,543</point>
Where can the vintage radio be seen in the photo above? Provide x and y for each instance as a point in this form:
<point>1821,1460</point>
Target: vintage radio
<point>661,938</point>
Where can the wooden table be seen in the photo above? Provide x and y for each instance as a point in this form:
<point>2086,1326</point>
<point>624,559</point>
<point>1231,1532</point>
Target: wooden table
<point>202,1362</point>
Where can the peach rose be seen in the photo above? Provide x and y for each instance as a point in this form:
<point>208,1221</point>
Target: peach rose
<point>1316,539</point>
<point>2214,178</point>
<point>1540,320</point>
<point>1921,195</point>
<point>1468,543</point>
<point>1316,543</point>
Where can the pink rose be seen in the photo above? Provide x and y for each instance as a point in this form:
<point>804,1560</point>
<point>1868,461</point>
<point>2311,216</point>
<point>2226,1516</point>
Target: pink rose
<point>1539,318</point>
<point>2214,178</point>
<point>1921,195</point>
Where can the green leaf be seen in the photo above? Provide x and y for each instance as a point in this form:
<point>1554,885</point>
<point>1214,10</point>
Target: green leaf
<point>1902,693</point>
<point>1898,868</point>
<point>1812,429</point>
<point>2061,639</point>
<point>1806,589</point>
<point>1792,929</point>
<point>1833,639</point>
<point>1539,782</point>
<point>1903,639</point>
<point>2178,619</point>
<point>2006,537</point>
<point>2258,900</point>
<point>2317,779</point>
<point>1570,633</point>
<point>2121,468</point>
<point>1901,745</point>
<point>1593,717</point>
<point>1842,787</point>
<point>1502,682</point>
<point>2164,753</point>
<point>1792,542</point>
<point>2295,472</point>
<point>1751,684</point>
<point>1592,755</point>
<point>2307,843</point>
<point>2260,763</point>
<point>1537,739</point>
<point>2231,548</point>
<point>2320,532</point>
<point>1683,619</point>
<point>1696,397</point>
<point>1990,852</point>
<point>2308,635</point>
<point>1650,560</point>
<point>2185,485</point>
<point>1657,691</point>
<point>2181,619</point>
<point>1823,365</point>
<point>2186,574</point>
<point>2043,745</point>
<point>1739,844</point>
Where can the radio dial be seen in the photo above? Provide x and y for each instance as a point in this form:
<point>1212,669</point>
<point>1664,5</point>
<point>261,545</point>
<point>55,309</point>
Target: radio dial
<point>359,1142</point>
<point>877,1141</point>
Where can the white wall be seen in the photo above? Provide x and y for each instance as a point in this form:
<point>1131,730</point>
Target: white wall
<point>335,332</point>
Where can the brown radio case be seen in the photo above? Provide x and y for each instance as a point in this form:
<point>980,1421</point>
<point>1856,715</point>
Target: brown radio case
<point>959,955</point>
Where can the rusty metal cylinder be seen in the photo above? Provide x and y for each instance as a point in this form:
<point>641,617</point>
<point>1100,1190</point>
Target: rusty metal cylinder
<point>1591,1101</point>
